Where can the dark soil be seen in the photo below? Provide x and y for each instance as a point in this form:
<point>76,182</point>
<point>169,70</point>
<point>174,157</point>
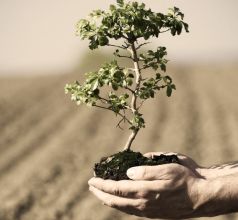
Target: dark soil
<point>115,166</point>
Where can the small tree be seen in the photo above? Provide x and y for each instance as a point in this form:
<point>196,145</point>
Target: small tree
<point>127,23</point>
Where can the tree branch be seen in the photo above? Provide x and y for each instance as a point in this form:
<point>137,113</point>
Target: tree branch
<point>127,44</point>
<point>121,47</point>
<point>165,30</point>
<point>105,100</point>
<point>118,125</point>
<point>129,89</point>
<point>139,46</point>
<point>118,113</point>
<point>130,140</point>
<point>142,102</point>
<point>122,56</point>
<point>134,97</point>
<point>138,75</point>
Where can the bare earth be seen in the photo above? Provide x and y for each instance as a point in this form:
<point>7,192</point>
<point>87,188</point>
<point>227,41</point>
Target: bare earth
<point>48,145</point>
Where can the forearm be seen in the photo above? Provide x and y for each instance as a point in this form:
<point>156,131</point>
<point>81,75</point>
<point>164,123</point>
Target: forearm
<point>219,170</point>
<point>217,196</point>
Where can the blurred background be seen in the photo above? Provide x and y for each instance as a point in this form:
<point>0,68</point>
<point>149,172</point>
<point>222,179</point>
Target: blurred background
<point>48,145</point>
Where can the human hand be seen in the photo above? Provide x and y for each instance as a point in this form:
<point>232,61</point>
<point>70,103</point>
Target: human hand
<point>212,172</point>
<point>164,191</point>
<point>184,160</point>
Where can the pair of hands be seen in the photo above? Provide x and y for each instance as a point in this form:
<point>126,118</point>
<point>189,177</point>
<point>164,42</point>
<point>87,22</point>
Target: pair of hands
<point>165,191</point>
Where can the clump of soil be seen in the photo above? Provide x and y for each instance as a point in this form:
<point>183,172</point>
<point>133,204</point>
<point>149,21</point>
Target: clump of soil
<point>115,166</point>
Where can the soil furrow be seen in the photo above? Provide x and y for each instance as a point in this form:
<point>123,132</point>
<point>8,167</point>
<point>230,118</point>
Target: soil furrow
<point>207,130</point>
<point>24,102</point>
<point>63,201</point>
<point>212,110</point>
<point>84,207</point>
<point>73,192</point>
<point>46,158</point>
<point>193,131</point>
<point>34,141</point>
<point>37,180</point>
<point>50,156</point>
<point>29,120</point>
<point>11,87</point>
<point>174,128</point>
<point>226,128</point>
<point>158,125</point>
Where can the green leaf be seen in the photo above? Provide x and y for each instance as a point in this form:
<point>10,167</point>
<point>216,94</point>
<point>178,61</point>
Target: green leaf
<point>173,86</point>
<point>158,76</point>
<point>96,92</point>
<point>185,26</point>
<point>163,67</point>
<point>179,27</point>
<point>167,79</point>
<point>112,7</point>
<point>120,2</point>
<point>173,31</point>
<point>114,86</point>
<point>130,75</point>
<point>175,9</point>
<point>169,91</point>
<point>103,40</point>
<point>129,82</point>
<point>95,85</point>
<point>126,96</point>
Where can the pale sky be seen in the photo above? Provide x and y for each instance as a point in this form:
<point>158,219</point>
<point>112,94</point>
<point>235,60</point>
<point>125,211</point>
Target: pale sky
<point>38,35</point>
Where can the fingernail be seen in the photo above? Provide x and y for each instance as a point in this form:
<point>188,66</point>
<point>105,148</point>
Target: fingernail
<point>91,188</point>
<point>131,172</point>
<point>90,182</point>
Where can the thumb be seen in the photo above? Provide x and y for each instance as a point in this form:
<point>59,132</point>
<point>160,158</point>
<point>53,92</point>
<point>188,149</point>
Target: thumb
<point>150,172</point>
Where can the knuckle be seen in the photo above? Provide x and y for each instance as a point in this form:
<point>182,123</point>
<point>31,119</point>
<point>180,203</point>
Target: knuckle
<point>117,191</point>
<point>143,194</point>
<point>110,203</point>
<point>169,184</point>
<point>142,205</point>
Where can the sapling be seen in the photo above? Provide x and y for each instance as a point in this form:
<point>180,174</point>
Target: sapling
<point>130,25</point>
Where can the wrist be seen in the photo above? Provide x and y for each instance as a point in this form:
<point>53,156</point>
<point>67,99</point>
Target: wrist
<point>204,204</point>
<point>206,173</point>
<point>216,196</point>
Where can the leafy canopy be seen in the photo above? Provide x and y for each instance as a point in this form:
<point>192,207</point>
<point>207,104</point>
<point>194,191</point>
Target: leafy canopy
<point>129,21</point>
<point>127,88</point>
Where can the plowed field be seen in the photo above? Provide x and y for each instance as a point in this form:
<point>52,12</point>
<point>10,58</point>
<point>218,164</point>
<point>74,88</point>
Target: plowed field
<point>48,145</point>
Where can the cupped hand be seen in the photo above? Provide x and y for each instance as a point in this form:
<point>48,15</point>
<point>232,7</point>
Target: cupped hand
<point>169,191</point>
<point>183,159</point>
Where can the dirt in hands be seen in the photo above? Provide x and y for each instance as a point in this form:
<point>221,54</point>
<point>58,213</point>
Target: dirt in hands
<point>115,166</point>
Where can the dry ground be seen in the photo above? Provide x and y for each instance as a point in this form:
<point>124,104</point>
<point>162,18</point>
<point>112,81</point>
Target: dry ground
<point>48,145</point>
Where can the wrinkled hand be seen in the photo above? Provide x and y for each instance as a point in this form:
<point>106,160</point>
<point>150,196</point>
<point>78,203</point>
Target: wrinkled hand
<point>184,160</point>
<point>164,191</point>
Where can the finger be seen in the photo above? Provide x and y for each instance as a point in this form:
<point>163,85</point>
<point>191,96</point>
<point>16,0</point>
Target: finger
<point>128,188</point>
<point>114,201</point>
<point>159,172</point>
<point>129,206</point>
